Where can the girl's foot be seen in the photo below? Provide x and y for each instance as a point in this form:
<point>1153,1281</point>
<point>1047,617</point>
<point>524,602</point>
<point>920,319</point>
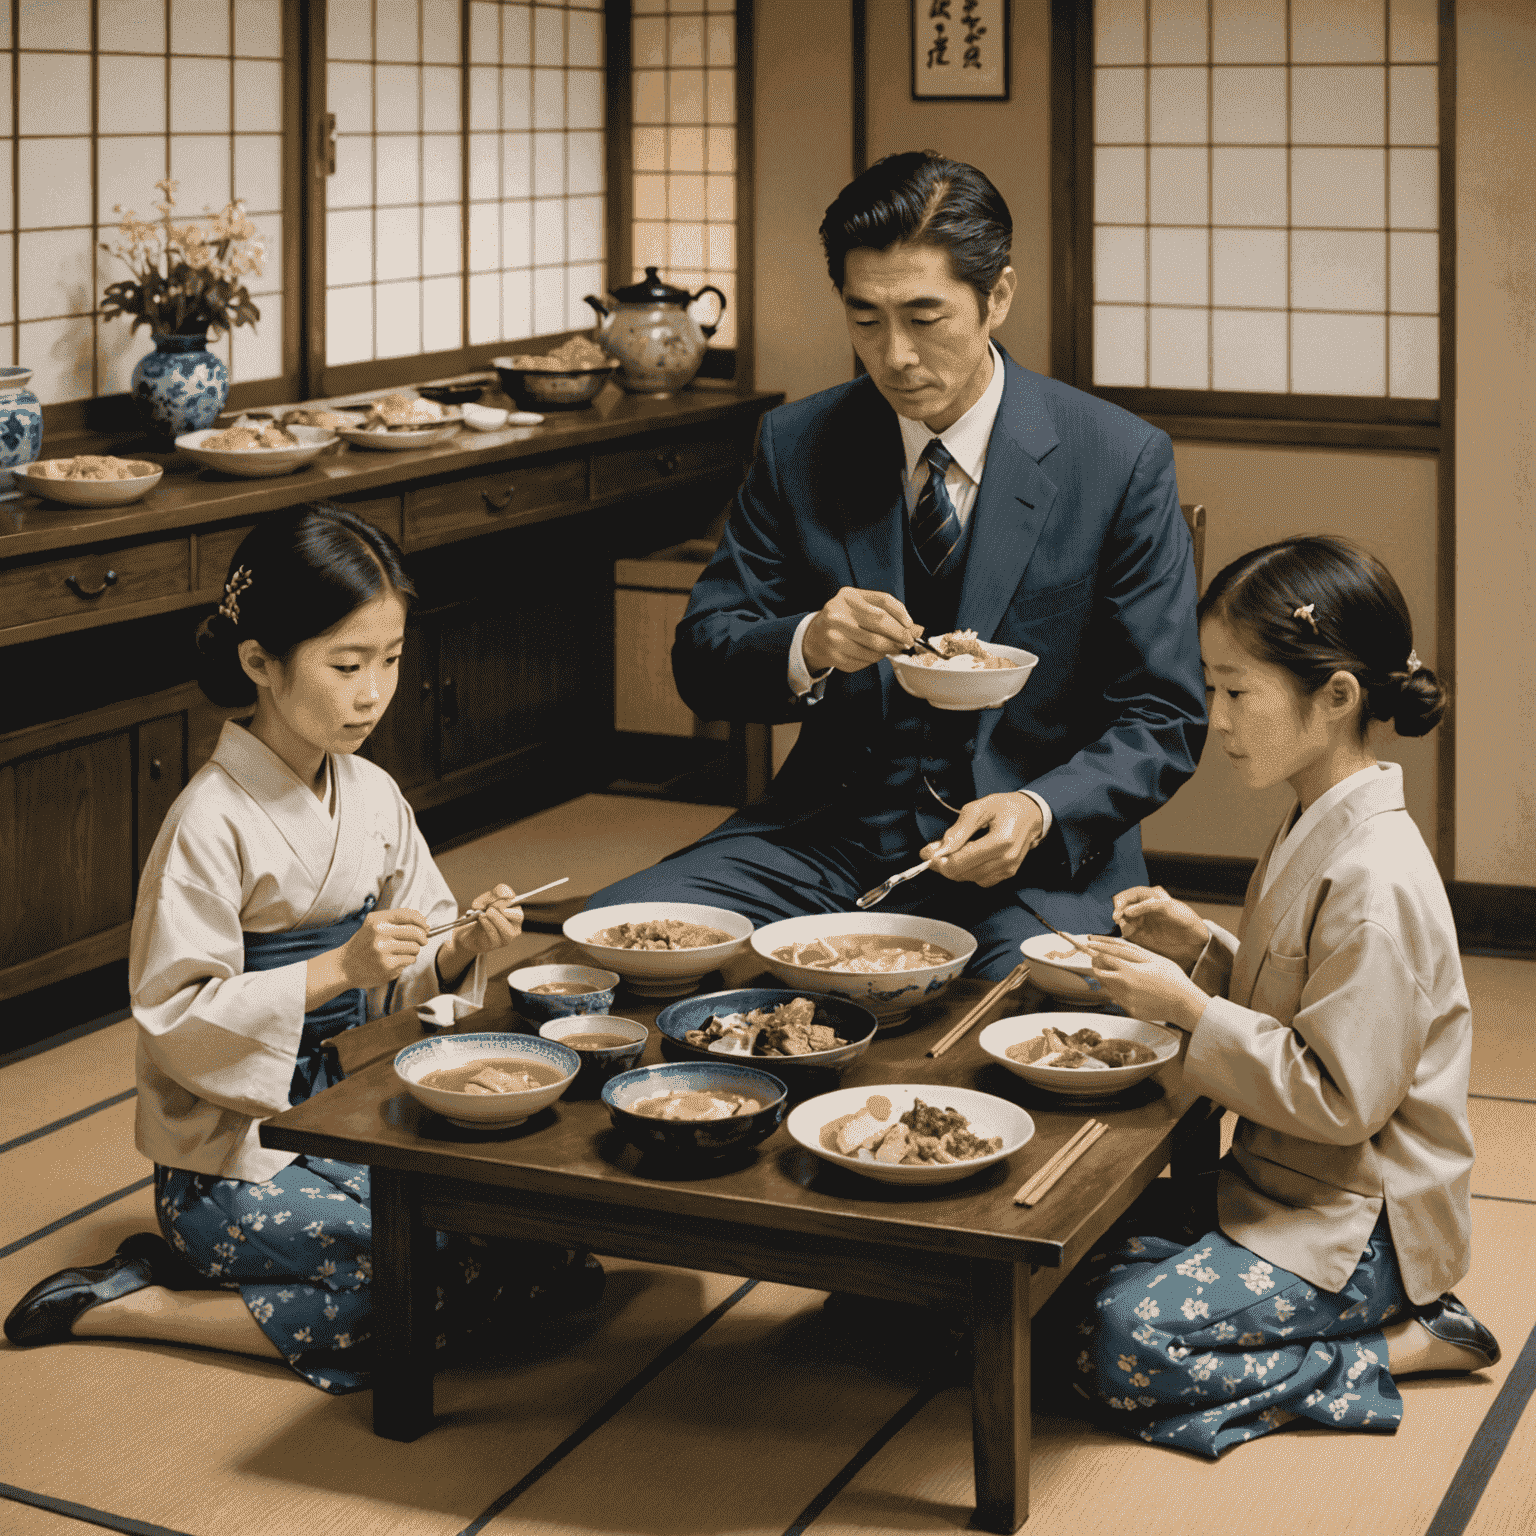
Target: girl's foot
<point>1443,1336</point>
<point>48,1312</point>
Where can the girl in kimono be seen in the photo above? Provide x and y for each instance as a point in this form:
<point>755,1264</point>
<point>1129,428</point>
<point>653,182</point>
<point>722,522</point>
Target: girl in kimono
<point>287,897</point>
<point>1337,1026</point>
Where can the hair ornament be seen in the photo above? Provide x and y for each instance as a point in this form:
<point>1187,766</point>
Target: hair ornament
<point>1414,664</point>
<point>1305,612</point>
<point>229,604</point>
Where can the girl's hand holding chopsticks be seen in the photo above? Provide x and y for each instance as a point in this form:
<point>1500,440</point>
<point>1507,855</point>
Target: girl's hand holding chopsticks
<point>496,926</point>
<point>1147,986</point>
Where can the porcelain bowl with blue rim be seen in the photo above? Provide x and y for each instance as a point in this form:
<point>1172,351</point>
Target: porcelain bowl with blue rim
<point>889,995</point>
<point>595,996</point>
<point>659,972</point>
<point>1095,1081</point>
<point>489,1111</point>
<point>598,1064</point>
<point>696,1140</point>
<point>849,1021</point>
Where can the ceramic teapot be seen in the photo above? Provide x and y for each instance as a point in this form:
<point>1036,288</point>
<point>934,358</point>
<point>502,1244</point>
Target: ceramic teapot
<point>659,344</point>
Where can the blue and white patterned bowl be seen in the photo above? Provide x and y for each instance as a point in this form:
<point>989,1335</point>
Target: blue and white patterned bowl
<point>889,995</point>
<point>696,1139</point>
<point>537,1007</point>
<point>490,1111</point>
<point>599,1066</point>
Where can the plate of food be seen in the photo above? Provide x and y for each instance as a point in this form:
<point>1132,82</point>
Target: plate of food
<point>486,1081</point>
<point>782,1030</point>
<point>89,479</point>
<point>661,948</point>
<point>887,962</point>
<point>320,416</point>
<point>910,1133</point>
<point>398,421</point>
<point>255,448</point>
<point>1080,1058</point>
<point>970,673</point>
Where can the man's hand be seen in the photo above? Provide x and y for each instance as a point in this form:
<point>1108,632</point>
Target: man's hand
<point>1150,917</point>
<point>855,629</point>
<point>1013,826</point>
<point>1147,986</point>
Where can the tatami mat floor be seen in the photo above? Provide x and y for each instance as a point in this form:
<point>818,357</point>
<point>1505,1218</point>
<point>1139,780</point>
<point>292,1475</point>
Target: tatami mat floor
<point>690,1403</point>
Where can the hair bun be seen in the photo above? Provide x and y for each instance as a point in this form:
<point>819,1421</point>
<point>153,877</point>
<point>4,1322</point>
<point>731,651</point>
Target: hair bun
<point>1421,703</point>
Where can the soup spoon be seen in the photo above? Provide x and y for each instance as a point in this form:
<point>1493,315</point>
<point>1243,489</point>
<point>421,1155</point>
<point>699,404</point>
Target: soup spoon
<point>877,894</point>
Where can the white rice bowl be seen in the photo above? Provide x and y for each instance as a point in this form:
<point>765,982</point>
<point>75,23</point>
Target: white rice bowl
<point>1070,978</point>
<point>977,688</point>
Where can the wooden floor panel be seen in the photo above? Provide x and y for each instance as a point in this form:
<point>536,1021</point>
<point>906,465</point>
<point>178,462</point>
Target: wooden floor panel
<point>43,1088</point>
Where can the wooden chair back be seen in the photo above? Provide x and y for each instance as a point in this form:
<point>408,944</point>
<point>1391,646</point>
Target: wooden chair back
<point>1194,516</point>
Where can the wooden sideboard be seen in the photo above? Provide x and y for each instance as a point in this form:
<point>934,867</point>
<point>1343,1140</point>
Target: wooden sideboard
<point>506,680</point>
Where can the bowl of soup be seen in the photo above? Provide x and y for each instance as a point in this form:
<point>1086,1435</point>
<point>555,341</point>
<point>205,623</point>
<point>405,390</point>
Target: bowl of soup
<point>486,1081</point>
<point>696,1109</point>
<point>888,963</point>
<point>660,948</point>
<point>541,992</point>
<point>606,1045</point>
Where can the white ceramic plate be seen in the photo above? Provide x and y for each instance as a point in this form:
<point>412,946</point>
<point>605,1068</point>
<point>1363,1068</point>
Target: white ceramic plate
<point>659,972</point>
<point>1079,1082</point>
<point>985,688</point>
<point>988,1114</point>
<point>487,418</point>
<point>1070,979</point>
<point>889,995</point>
<point>88,493</point>
<point>257,463</point>
<point>394,442</point>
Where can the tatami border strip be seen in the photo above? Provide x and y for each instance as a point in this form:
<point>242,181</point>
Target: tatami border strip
<point>85,1210</point>
<point>1488,1445</point>
<point>79,1032</point>
<point>1506,1199</point>
<point>58,1125</point>
<point>1503,1098</point>
<point>86,1513</point>
<point>595,1421</point>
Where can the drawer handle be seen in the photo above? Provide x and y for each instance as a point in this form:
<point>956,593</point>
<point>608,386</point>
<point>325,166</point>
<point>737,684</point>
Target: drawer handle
<point>502,502</point>
<point>156,767</point>
<point>666,461</point>
<point>73,583</point>
<point>450,706</point>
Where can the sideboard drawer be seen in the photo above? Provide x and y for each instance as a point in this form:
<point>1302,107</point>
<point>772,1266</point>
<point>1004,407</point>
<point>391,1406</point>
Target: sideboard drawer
<point>635,469</point>
<point>482,504</point>
<point>94,581</point>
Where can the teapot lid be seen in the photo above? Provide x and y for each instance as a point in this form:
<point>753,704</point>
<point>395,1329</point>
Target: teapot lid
<point>652,291</point>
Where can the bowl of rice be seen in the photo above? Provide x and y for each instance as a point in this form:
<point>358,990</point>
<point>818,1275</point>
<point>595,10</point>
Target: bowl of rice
<point>970,673</point>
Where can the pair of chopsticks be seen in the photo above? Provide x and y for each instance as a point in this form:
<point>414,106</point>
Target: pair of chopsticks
<point>1013,979</point>
<point>1030,1191</point>
<point>475,913</point>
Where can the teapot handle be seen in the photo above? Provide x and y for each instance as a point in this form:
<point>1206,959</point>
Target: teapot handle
<point>709,330</point>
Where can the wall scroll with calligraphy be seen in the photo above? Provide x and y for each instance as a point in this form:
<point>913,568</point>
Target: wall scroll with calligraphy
<point>960,50</point>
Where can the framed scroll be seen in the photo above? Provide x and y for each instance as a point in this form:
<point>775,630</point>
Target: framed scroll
<point>960,50</point>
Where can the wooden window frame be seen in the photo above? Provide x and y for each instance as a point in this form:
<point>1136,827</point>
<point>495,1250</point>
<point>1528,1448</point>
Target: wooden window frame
<point>1333,421</point>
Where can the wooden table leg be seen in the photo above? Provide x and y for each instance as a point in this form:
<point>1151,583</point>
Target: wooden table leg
<point>1197,1142</point>
<point>1000,1394</point>
<point>404,1303</point>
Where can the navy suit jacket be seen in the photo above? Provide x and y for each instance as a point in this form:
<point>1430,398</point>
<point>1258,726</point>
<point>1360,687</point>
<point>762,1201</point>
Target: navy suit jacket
<point>1078,552</point>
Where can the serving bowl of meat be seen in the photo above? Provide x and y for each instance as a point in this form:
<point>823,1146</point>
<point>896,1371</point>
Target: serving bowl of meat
<point>910,1133</point>
<point>886,962</point>
<point>782,1030</point>
<point>696,1109</point>
<point>486,1081</point>
<point>661,948</point>
<point>565,379</point>
<point>398,421</point>
<point>970,674</point>
<point>1080,1056</point>
<point>256,447</point>
<point>88,480</point>
<point>1061,971</point>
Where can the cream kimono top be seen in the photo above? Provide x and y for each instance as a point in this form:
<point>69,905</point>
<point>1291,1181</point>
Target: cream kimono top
<point>1341,1033</point>
<point>248,848</point>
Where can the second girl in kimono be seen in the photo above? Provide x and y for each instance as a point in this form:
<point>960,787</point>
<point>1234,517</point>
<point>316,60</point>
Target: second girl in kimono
<point>1338,1028</point>
<point>287,897</point>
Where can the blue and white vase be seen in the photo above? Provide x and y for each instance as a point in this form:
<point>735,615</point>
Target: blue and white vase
<point>180,386</point>
<point>21,422</point>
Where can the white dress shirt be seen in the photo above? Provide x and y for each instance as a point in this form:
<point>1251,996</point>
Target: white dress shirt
<point>966,440</point>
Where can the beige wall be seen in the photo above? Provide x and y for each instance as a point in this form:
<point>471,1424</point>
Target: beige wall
<point>1495,454</point>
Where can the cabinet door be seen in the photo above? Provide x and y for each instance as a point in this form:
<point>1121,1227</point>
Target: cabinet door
<point>71,828</point>
<point>162,760</point>
<point>405,743</point>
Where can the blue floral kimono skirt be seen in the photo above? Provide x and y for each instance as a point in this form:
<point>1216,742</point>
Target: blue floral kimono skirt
<point>1203,1344</point>
<point>298,1246</point>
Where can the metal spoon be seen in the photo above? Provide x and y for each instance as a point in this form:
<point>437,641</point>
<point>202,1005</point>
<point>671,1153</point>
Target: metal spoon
<point>878,894</point>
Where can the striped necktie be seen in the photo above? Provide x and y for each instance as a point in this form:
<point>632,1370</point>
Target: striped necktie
<point>935,525</point>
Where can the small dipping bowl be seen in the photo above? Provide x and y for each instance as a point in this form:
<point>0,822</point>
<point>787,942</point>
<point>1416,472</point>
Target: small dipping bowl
<point>696,1140</point>
<point>598,1065</point>
<point>596,995</point>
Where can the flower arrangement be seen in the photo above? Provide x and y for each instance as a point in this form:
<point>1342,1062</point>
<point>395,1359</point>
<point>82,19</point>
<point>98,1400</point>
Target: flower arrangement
<point>186,277</point>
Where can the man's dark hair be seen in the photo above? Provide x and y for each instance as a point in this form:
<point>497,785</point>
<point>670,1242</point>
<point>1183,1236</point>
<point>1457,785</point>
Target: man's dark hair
<point>921,197</point>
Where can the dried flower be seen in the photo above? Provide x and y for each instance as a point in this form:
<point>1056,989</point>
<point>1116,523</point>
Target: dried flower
<point>186,276</point>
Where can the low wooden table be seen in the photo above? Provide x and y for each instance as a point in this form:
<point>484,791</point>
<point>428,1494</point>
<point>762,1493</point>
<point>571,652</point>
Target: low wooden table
<point>781,1214</point>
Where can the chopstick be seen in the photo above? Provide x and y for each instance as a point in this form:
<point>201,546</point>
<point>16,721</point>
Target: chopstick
<point>511,901</point>
<point>1032,1189</point>
<point>1014,978</point>
<point>1054,929</point>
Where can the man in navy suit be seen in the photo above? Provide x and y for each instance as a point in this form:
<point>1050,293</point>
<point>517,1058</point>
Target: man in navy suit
<point>946,489</point>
